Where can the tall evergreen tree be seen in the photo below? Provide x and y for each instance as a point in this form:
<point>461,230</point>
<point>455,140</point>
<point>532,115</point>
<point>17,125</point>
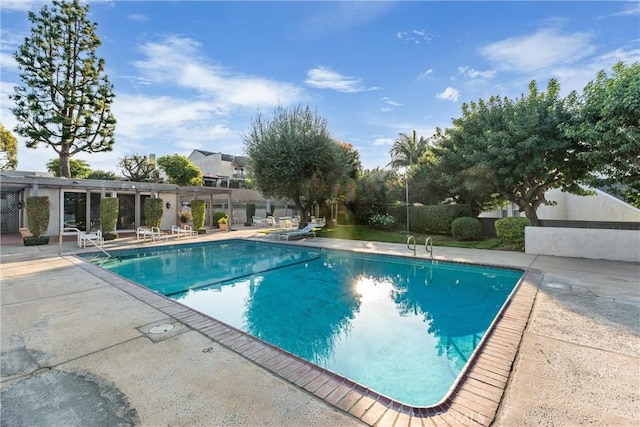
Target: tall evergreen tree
<point>66,98</point>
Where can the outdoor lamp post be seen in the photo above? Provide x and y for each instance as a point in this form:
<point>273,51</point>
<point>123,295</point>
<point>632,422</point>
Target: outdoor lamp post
<point>406,190</point>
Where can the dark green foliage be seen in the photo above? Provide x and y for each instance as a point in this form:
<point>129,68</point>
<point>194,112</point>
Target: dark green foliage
<point>66,99</point>
<point>153,209</point>
<point>466,228</point>
<point>250,210</point>
<point>103,175</point>
<point>197,210</point>
<point>217,216</point>
<point>376,192</point>
<point>77,168</point>
<point>109,216</point>
<point>38,209</point>
<point>433,219</point>
<point>511,229</point>
<point>35,241</point>
<point>382,221</point>
<point>110,235</point>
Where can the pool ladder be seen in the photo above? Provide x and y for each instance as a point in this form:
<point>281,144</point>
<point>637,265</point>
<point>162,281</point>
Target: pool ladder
<point>428,245</point>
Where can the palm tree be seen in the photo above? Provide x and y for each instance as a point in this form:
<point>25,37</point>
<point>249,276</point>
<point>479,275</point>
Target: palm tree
<point>406,150</point>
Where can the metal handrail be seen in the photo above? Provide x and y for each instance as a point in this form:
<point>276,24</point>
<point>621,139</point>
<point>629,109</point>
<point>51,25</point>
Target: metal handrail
<point>81,233</point>
<point>429,248</point>
<point>414,244</point>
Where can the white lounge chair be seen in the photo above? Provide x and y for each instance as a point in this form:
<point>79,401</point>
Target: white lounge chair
<point>306,231</point>
<point>186,231</point>
<point>95,237</point>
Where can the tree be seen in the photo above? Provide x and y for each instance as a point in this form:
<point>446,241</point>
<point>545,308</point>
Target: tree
<point>180,170</point>
<point>377,190</point>
<point>607,122</point>
<point>407,150</point>
<point>519,146</point>
<point>8,146</point>
<point>66,100</point>
<point>292,156</point>
<point>139,168</point>
<point>103,175</point>
<point>77,168</point>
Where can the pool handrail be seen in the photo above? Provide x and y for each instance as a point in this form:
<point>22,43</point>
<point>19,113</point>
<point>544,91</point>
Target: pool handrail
<point>82,234</point>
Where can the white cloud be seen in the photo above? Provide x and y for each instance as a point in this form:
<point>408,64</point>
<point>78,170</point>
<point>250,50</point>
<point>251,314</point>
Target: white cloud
<point>425,74</point>
<point>628,9</point>
<point>8,62</point>
<point>176,60</point>
<point>325,78</point>
<point>137,17</point>
<point>449,94</point>
<point>383,141</point>
<point>475,74</point>
<point>543,49</point>
<point>413,36</point>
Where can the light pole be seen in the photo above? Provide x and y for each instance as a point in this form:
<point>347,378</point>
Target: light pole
<point>406,190</point>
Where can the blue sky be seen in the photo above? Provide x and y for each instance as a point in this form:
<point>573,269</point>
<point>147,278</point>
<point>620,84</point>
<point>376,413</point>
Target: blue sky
<point>192,75</point>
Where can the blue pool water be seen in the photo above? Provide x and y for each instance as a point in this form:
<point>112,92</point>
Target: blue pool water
<point>400,326</point>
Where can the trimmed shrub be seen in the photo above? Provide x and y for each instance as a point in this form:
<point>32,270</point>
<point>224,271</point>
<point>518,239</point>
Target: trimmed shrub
<point>153,209</point>
<point>109,207</point>
<point>511,230</point>
<point>38,209</point>
<point>466,228</point>
<point>250,210</point>
<point>217,216</point>
<point>197,210</point>
<point>382,221</point>
<point>35,241</point>
<point>433,219</point>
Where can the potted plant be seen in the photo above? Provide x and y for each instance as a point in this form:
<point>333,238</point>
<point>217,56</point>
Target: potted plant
<point>223,223</point>
<point>184,216</point>
<point>38,209</point>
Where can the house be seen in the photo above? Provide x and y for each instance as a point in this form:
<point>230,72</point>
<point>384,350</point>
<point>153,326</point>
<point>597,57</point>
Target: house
<point>75,202</point>
<point>220,170</point>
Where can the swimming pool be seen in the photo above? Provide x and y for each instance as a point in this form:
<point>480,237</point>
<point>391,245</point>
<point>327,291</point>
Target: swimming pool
<point>402,327</point>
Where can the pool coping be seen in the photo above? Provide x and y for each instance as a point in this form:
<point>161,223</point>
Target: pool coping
<point>473,400</point>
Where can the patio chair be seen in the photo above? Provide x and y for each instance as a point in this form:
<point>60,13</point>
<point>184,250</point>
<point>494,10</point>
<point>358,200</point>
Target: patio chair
<point>95,237</point>
<point>306,231</point>
<point>143,233</point>
<point>186,231</point>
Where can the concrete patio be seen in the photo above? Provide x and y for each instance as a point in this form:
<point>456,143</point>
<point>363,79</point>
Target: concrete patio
<point>76,350</point>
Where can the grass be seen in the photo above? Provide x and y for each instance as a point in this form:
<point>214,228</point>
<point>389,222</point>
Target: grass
<point>362,232</point>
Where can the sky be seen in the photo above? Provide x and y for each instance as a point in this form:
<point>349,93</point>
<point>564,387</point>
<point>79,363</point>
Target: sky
<point>194,74</point>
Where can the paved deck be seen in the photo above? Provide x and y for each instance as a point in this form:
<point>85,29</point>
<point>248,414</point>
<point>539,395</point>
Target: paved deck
<point>72,341</point>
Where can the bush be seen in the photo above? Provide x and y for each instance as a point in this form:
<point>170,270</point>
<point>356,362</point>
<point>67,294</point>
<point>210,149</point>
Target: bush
<point>434,218</point>
<point>250,210</point>
<point>382,221</point>
<point>217,216</point>
<point>109,217</point>
<point>38,208</point>
<point>466,228</point>
<point>197,210</point>
<point>35,241</point>
<point>153,209</point>
<point>511,230</point>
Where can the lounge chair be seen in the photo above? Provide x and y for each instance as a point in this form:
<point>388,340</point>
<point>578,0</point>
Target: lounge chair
<point>306,231</point>
<point>95,237</point>
<point>186,231</point>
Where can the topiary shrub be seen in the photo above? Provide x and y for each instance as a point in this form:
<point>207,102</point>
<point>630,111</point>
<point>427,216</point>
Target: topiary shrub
<point>511,230</point>
<point>153,209</point>
<point>38,209</point>
<point>382,221</point>
<point>250,210</point>
<point>217,216</point>
<point>109,217</point>
<point>466,228</point>
<point>197,211</point>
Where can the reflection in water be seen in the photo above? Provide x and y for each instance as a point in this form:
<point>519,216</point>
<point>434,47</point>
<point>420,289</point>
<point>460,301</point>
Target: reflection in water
<point>404,328</point>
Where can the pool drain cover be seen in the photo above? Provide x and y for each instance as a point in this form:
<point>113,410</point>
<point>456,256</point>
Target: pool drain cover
<point>161,329</point>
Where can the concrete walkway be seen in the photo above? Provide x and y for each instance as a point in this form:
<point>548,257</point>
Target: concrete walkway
<point>76,350</point>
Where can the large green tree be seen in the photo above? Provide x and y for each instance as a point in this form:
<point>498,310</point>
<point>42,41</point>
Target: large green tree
<point>607,122</point>
<point>8,149</point>
<point>519,146</point>
<point>77,168</point>
<point>180,170</point>
<point>139,168</point>
<point>407,150</point>
<point>292,156</point>
<point>66,98</point>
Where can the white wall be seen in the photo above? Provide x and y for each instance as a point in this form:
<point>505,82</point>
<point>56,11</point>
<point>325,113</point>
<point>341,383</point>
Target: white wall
<point>615,245</point>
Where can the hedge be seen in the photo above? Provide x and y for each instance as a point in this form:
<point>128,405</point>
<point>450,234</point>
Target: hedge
<point>153,209</point>
<point>432,219</point>
<point>38,209</point>
<point>197,210</point>
<point>466,228</point>
<point>511,229</point>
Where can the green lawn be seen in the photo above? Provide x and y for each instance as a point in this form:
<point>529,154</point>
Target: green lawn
<point>362,232</point>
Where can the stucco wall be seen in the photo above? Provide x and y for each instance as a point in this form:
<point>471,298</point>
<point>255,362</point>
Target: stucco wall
<point>615,245</point>
<point>599,207</point>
